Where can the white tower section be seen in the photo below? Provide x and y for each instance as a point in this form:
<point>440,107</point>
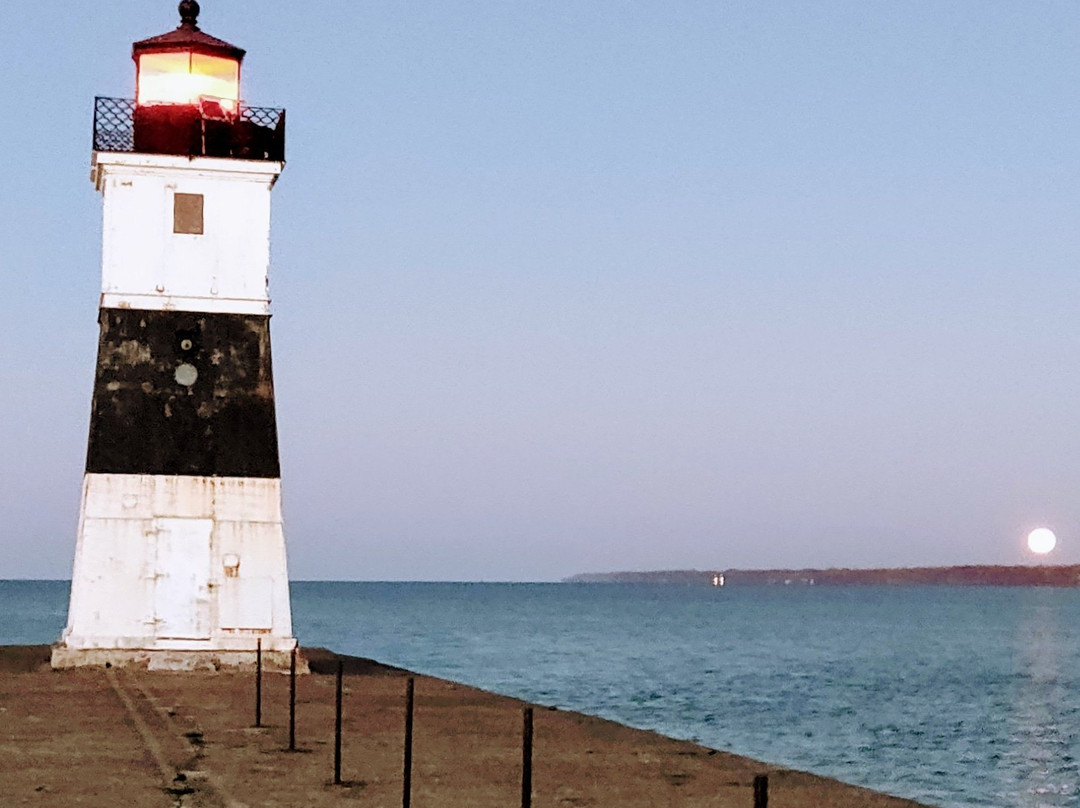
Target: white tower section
<point>146,264</point>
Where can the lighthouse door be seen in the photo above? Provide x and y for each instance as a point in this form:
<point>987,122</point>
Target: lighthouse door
<point>182,577</point>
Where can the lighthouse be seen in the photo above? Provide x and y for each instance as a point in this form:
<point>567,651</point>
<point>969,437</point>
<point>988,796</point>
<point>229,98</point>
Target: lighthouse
<point>180,556</point>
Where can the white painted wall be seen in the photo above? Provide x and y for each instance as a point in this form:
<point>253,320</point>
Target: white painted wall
<point>150,565</point>
<point>145,265</point>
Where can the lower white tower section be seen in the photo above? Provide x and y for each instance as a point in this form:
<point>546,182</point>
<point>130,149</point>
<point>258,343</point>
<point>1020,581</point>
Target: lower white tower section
<point>167,565</point>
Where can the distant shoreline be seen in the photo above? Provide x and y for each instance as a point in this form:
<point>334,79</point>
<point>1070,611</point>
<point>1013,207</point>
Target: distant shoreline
<point>970,575</point>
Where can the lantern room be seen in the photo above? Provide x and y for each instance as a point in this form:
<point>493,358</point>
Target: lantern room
<point>187,100</point>
<point>187,66</point>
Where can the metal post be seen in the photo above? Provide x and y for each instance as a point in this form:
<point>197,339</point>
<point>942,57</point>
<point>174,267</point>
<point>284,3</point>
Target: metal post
<point>258,681</point>
<point>337,726</point>
<point>526,758</point>
<point>292,701</point>
<point>406,789</point>
<point>761,791</point>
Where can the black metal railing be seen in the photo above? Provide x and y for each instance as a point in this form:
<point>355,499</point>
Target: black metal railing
<point>254,133</point>
<point>114,124</point>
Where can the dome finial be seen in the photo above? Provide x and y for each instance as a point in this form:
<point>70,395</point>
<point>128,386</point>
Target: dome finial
<point>189,14</point>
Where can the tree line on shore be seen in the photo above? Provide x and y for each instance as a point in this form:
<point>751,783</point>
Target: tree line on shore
<point>969,575</point>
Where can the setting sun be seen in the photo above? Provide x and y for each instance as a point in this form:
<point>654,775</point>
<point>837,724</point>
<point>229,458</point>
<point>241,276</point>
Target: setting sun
<point>1041,540</point>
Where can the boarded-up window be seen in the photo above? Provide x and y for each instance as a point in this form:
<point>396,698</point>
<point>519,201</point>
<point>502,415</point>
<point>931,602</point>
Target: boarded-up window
<point>188,213</point>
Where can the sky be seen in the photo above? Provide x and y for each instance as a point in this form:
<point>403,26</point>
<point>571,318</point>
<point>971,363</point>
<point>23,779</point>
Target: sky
<point>566,287</point>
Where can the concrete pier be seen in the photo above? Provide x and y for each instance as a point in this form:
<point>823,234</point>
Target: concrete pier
<point>126,736</point>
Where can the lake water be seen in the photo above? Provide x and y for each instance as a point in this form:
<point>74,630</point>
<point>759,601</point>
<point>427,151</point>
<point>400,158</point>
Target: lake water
<point>951,696</point>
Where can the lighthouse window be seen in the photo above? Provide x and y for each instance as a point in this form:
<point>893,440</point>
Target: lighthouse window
<point>188,213</point>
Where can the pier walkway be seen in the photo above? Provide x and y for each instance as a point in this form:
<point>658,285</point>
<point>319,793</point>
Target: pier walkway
<point>122,737</point>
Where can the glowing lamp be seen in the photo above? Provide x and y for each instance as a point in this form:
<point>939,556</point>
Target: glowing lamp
<point>187,77</point>
<point>187,67</point>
